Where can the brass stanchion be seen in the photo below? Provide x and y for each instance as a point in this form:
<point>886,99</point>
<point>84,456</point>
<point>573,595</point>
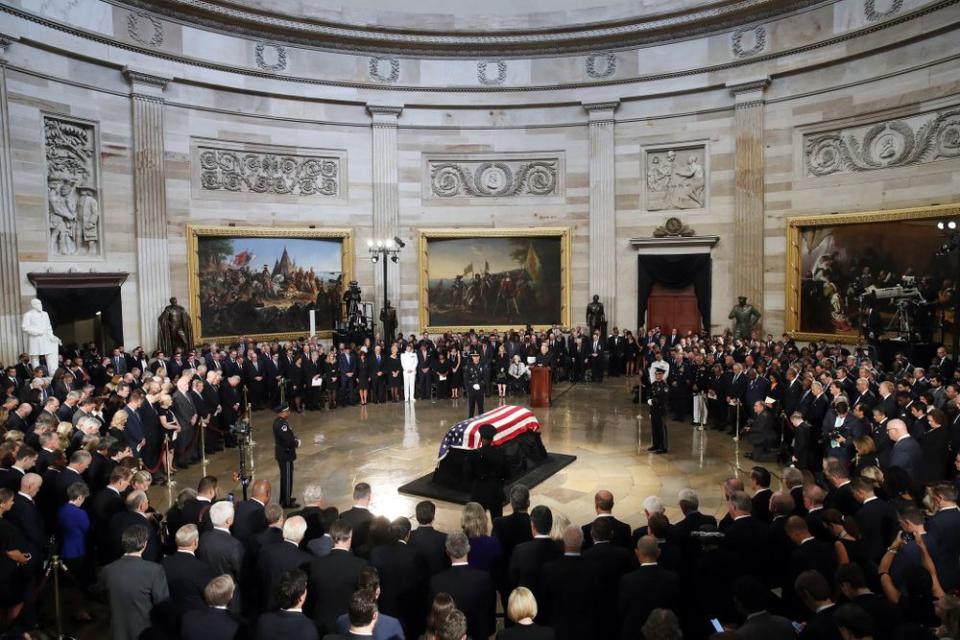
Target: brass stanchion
<point>166,463</point>
<point>203,445</point>
<point>640,450</point>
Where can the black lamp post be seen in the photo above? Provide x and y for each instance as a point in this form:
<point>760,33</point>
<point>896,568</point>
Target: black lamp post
<point>381,251</point>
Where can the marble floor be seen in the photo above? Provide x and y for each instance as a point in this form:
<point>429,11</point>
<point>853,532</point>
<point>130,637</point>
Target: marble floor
<point>389,445</point>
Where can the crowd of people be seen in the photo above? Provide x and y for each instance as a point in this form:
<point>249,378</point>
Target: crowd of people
<point>866,520</point>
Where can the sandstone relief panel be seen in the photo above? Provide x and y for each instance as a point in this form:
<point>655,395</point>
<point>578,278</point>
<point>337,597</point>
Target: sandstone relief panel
<point>268,171</point>
<point>73,194</point>
<point>676,178</point>
<point>493,177</point>
<point>893,143</point>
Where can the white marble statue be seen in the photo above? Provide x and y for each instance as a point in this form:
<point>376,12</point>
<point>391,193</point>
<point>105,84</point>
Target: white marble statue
<point>40,338</point>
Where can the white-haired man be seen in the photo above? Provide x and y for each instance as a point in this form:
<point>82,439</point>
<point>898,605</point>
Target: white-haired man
<point>276,559</point>
<point>220,550</point>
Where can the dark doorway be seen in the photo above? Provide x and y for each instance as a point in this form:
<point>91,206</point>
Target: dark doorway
<point>676,289</point>
<point>83,308</point>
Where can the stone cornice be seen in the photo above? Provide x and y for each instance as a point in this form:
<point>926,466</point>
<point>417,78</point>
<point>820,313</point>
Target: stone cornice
<point>417,40</point>
<point>383,115</point>
<point>145,83</point>
<point>5,42</point>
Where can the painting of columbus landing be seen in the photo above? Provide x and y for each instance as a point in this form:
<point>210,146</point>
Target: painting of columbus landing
<point>264,282</point>
<point>498,279</point>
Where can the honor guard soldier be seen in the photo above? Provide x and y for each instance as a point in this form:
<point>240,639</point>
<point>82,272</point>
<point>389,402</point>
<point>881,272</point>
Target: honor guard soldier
<point>659,398</point>
<point>475,379</point>
<point>285,451</point>
<point>487,469</point>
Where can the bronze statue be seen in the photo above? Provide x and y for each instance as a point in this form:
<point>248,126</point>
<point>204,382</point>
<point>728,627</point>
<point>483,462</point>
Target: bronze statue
<point>388,318</point>
<point>745,317</point>
<point>595,316</point>
<point>174,328</point>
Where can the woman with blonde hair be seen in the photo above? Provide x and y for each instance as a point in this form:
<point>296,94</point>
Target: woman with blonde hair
<point>560,523</point>
<point>484,549</point>
<point>866,455</point>
<point>521,610</point>
<point>118,426</point>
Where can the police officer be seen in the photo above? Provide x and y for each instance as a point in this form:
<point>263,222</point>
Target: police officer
<point>658,401</point>
<point>475,380</point>
<point>487,469</point>
<point>285,451</point>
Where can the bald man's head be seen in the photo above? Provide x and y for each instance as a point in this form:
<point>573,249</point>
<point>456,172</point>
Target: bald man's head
<point>603,501</point>
<point>261,491</point>
<point>30,484</point>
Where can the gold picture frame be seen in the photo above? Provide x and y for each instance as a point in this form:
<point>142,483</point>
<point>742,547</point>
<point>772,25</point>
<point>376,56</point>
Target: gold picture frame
<point>563,234</point>
<point>797,225</point>
<point>196,232</point>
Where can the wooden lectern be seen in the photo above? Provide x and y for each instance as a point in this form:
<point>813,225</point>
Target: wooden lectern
<point>541,386</point>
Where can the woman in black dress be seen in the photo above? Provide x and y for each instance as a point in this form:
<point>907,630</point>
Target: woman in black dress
<point>296,379</point>
<point>13,561</point>
<point>393,370</point>
<point>363,376</point>
<point>630,353</point>
<point>456,372</point>
<point>442,372</point>
<point>500,365</point>
<point>331,378</point>
<point>312,369</point>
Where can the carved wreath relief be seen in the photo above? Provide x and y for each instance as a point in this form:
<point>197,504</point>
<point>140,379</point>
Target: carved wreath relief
<point>278,174</point>
<point>894,143</point>
<point>73,197</point>
<point>676,179</point>
<point>493,178</point>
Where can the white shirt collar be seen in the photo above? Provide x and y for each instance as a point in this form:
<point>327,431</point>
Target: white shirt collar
<point>31,499</point>
<point>203,499</point>
<point>225,530</point>
<point>541,536</point>
<point>807,539</point>
<point>870,499</point>
<point>294,610</point>
<point>186,551</point>
<point>648,564</point>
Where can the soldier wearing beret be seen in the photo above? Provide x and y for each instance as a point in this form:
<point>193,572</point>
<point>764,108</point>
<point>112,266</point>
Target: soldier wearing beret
<point>487,471</point>
<point>659,398</point>
<point>285,451</point>
<point>475,380</point>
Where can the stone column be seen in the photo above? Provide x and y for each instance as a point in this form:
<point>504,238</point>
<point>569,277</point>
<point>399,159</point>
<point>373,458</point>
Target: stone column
<point>386,202</point>
<point>748,194</point>
<point>150,200</point>
<point>10,340</point>
<point>603,226</point>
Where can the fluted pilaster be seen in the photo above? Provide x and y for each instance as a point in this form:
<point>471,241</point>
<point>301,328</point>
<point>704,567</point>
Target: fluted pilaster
<point>10,340</point>
<point>150,200</point>
<point>748,195</point>
<point>386,198</point>
<point>603,227</point>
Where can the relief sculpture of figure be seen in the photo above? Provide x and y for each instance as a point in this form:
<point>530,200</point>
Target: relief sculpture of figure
<point>174,328</point>
<point>89,219</point>
<point>63,217</point>
<point>686,192</point>
<point>745,317</point>
<point>40,338</point>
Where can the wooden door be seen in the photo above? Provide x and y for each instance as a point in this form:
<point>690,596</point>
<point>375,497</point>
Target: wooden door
<point>673,308</point>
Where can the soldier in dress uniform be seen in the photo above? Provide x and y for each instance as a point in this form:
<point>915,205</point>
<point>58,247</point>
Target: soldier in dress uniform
<point>658,401</point>
<point>487,470</point>
<point>679,380</point>
<point>285,451</point>
<point>475,381</point>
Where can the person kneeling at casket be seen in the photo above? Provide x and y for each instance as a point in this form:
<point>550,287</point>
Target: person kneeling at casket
<point>762,434</point>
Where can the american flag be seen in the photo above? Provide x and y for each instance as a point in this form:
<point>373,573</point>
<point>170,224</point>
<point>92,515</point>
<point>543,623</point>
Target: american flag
<point>509,420</point>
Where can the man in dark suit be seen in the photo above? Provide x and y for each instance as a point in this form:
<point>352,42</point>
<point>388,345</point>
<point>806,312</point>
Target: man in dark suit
<point>595,350</point>
<point>432,543</point>
<point>747,537</point>
<point>607,564</point>
<point>735,390</point>
<point>275,560</point>
<point>333,578</point>
<point>852,583</point>
<point>27,517</point>
<point>103,506</point>
<point>752,599</point>
<point>647,588</point>
<point>906,452</point>
<point>358,517</point>
<point>79,462</point>
<point>213,622</point>
<point>273,534</point>
<point>289,621</point>
<point>472,589</point>
<point>760,484</point>
<point>134,586</point>
<point>864,395</point>
<point>819,404</point>
<point>603,505</point>
<point>792,391</point>
<point>404,577</point>
<point>249,519</point>
<point>840,496</point>
<point>187,576</point>
<point>186,414</point>
<point>134,429</point>
<point>221,551</point>
<point>365,621</point>
<point>569,602</point>
<point>944,526</point>
<point>814,591</point>
<point>528,559</point>
<point>348,372</point>
<point>25,461</point>
<point>197,510</point>
<point>809,554</point>
<point>887,400</point>
<point>135,513</point>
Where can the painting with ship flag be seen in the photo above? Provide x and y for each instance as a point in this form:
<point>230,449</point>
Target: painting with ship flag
<point>497,278</point>
<point>263,282</point>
